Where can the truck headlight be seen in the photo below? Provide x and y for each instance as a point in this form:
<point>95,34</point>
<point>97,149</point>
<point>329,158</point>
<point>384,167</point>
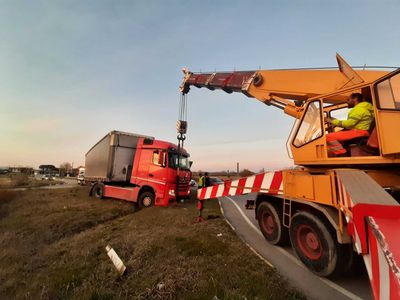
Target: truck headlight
<point>171,192</point>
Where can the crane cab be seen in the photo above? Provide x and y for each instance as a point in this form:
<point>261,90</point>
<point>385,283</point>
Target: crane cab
<point>308,139</point>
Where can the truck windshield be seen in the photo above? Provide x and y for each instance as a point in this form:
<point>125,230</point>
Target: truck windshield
<point>175,161</point>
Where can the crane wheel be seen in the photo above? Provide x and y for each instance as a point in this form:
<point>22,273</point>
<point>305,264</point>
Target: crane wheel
<point>271,225</point>
<point>315,245</point>
<point>98,190</point>
<point>146,199</point>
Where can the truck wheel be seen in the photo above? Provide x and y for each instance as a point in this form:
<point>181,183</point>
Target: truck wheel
<point>146,199</point>
<point>98,190</point>
<point>271,225</point>
<point>316,247</point>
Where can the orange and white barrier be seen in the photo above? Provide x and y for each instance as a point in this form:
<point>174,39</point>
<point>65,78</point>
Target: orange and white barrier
<point>269,183</point>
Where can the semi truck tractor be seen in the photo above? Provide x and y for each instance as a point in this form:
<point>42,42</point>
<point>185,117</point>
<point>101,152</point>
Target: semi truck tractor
<point>328,208</point>
<point>137,168</point>
<point>81,176</point>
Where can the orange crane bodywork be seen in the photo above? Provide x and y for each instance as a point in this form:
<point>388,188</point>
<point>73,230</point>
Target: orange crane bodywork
<point>286,88</point>
<point>324,198</point>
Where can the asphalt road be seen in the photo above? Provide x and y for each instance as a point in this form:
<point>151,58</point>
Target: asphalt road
<point>243,221</point>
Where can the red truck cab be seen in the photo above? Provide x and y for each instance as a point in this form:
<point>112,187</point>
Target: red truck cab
<point>139,169</point>
<point>161,168</point>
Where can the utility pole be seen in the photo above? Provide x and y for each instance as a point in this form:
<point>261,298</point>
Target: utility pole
<point>237,168</point>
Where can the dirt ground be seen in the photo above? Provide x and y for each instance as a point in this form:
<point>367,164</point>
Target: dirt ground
<point>53,247</point>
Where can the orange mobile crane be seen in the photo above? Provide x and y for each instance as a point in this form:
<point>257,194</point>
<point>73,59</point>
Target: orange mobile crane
<point>328,208</point>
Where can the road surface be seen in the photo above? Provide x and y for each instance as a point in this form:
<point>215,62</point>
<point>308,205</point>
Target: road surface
<point>283,259</point>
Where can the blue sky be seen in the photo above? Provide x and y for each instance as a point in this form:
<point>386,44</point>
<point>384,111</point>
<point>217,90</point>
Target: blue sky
<point>70,71</point>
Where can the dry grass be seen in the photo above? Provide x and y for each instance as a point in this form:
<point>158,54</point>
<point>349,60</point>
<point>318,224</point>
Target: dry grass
<point>10,181</point>
<point>53,247</point>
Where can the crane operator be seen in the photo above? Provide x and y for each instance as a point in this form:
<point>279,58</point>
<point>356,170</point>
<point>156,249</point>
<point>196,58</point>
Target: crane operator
<point>358,123</point>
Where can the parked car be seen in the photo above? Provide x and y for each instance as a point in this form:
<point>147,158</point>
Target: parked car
<point>213,181</point>
<point>48,177</point>
<point>193,184</point>
<point>216,181</point>
<point>4,171</point>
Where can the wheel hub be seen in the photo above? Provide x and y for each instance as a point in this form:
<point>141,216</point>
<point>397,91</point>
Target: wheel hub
<point>268,222</point>
<point>312,241</point>
<point>146,201</point>
<point>309,242</point>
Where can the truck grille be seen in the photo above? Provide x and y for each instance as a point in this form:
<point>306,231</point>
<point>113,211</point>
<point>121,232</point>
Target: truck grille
<point>183,186</point>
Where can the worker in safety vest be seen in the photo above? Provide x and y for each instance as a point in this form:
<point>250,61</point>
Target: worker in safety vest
<point>207,181</point>
<point>358,123</point>
<point>200,203</point>
<point>201,182</point>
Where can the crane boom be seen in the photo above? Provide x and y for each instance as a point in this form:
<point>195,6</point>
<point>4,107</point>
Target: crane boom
<point>284,89</point>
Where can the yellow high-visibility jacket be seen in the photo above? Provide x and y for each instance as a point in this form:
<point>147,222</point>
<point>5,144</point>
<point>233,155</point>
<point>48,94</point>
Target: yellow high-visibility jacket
<point>359,117</point>
<point>201,182</point>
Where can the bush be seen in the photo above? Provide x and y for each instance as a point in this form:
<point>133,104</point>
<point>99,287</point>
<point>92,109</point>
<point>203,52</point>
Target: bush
<point>19,180</point>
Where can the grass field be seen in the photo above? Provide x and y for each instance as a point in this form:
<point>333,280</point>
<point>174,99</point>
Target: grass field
<point>53,247</point>
<point>24,181</point>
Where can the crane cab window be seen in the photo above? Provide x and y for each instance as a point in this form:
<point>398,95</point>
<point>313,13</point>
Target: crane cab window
<point>351,144</point>
<point>310,127</point>
<point>340,113</point>
<point>389,93</point>
<point>338,109</point>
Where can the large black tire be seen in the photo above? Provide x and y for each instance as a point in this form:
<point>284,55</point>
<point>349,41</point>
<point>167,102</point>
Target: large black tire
<point>146,199</point>
<point>271,224</point>
<point>98,190</point>
<point>314,242</point>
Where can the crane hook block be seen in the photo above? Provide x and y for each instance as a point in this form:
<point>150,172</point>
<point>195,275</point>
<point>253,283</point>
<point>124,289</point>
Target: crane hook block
<point>181,127</point>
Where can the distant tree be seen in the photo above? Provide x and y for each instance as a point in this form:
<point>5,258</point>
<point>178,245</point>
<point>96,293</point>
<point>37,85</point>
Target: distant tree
<point>65,168</point>
<point>45,169</point>
<point>246,172</point>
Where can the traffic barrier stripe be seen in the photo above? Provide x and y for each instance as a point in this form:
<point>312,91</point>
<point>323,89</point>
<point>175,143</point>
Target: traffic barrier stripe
<point>269,182</point>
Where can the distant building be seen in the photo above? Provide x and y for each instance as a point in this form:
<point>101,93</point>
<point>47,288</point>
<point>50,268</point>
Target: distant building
<point>23,170</point>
